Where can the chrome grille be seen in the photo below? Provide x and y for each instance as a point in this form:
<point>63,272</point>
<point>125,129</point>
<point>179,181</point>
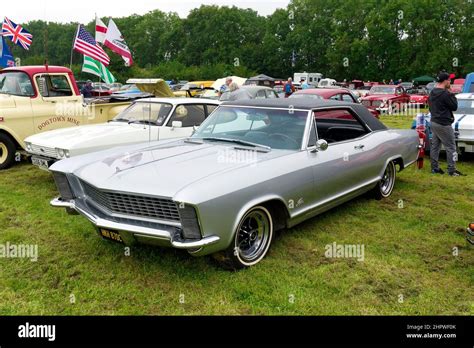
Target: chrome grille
<point>133,205</point>
<point>42,150</point>
<point>366,102</point>
<point>376,103</point>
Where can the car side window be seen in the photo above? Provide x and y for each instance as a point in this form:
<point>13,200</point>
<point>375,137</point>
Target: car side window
<point>261,94</point>
<point>348,98</point>
<point>57,86</point>
<point>189,114</point>
<point>271,94</point>
<point>336,97</point>
<point>335,125</point>
<point>210,108</point>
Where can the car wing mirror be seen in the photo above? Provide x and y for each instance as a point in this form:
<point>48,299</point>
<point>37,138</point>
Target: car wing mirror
<point>321,145</point>
<point>176,124</point>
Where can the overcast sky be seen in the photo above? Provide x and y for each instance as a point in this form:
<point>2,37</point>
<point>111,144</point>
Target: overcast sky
<point>83,10</point>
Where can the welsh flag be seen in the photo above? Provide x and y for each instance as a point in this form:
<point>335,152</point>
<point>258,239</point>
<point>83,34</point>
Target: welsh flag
<point>95,67</point>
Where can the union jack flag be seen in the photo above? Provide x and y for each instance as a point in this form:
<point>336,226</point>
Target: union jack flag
<point>17,33</point>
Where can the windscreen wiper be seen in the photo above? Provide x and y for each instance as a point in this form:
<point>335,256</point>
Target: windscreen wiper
<point>240,142</point>
<point>143,122</point>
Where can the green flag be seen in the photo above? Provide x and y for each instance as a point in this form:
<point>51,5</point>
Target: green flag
<point>95,67</point>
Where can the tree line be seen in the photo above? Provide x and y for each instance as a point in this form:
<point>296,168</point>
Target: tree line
<point>342,39</point>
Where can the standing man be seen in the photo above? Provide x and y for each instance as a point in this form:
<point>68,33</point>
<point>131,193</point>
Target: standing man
<point>86,90</point>
<point>442,103</point>
<point>304,84</point>
<point>289,88</point>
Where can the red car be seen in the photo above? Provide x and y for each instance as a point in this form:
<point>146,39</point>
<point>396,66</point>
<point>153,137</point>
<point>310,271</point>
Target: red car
<point>418,96</point>
<point>456,86</point>
<point>341,94</point>
<point>386,99</point>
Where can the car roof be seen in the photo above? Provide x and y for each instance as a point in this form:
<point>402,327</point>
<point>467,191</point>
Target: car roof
<point>251,87</point>
<point>175,101</point>
<point>310,104</point>
<point>288,103</point>
<point>465,96</point>
<point>324,92</point>
<point>39,69</point>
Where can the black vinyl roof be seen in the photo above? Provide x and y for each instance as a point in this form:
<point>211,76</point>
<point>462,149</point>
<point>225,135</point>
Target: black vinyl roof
<point>311,104</point>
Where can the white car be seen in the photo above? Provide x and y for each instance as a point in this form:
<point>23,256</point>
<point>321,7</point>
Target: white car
<point>326,83</point>
<point>464,122</point>
<point>145,120</point>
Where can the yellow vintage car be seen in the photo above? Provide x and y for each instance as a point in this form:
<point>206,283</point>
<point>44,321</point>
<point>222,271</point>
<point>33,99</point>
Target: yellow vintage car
<point>35,99</point>
<point>193,88</point>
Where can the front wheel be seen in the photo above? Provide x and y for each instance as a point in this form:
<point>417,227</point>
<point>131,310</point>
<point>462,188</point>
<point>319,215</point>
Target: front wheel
<point>251,240</point>
<point>385,186</point>
<point>7,151</point>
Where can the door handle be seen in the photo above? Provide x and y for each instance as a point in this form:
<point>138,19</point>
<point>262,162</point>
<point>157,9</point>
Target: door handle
<point>359,147</point>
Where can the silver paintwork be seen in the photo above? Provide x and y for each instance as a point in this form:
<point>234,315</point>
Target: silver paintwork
<point>304,182</point>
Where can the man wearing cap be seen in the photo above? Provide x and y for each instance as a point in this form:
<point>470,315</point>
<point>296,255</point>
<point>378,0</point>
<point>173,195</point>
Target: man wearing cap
<point>442,103</point>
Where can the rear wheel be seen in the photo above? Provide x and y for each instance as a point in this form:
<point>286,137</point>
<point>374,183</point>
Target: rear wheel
<point>251,241</point>
<point>7,151</point>
<point>385,186</point>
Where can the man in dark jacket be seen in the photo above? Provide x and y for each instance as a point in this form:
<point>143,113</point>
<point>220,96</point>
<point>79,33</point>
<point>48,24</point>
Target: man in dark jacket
<point>442,103</point>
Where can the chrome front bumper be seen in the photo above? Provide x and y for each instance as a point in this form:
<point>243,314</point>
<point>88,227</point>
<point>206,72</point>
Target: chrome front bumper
<point>146,235</point>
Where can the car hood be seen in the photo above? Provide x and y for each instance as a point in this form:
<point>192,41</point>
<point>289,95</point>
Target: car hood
<point>75,137</point>
<point>166,169</point>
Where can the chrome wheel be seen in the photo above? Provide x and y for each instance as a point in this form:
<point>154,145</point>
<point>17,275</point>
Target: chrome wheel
<point>388,180</point>
<point>253,236</point>
<point>3,153</point>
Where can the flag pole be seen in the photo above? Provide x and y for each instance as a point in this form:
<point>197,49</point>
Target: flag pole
<point>72,48</point>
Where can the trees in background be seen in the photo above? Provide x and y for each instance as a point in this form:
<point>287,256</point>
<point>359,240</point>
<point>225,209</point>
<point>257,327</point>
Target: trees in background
<point>343,39</point>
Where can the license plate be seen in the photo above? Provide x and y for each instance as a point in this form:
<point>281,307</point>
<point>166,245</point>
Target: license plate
<point>111,235</point>
<point>40,162</point>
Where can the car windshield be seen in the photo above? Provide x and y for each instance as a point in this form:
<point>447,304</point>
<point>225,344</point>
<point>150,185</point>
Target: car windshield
<point>16,83</point>
<point>145,112</point>
<point>382,90</point>
<point>465,106</point>
<point>305,95</point>
<point>277,129</point>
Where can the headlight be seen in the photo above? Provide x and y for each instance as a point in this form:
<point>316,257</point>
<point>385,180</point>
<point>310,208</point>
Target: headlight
<point>28,146</point>
<point>61,153</point>
<point>67,154</point>
<point>382,105</point>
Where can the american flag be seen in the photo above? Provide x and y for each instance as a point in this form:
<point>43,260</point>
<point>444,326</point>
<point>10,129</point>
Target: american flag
<point>86,44</point>
<point>16,33</point>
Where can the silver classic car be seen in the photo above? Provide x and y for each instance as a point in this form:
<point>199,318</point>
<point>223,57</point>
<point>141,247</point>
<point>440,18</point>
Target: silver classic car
<point>252,167</point>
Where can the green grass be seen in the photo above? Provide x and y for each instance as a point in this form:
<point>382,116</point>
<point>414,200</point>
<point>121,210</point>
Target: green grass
<point>408,252</point>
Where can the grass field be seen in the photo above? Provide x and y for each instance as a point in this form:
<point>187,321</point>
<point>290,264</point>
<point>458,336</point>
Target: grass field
<point>416,258</point>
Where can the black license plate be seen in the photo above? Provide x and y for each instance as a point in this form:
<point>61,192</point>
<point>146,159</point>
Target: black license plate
<point>110,235</point>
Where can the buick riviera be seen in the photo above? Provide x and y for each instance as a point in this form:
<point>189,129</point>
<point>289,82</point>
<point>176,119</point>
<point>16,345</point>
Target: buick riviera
<point>252,168</point>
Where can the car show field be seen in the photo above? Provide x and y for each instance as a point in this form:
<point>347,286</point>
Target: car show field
<point>414,260</point>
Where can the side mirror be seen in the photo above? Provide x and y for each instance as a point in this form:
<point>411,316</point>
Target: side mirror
<point>322,145</point>
<point>43,87</point>
<point>176,124</point>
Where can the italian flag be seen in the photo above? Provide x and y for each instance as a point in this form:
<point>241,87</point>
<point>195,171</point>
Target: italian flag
<point>95,67</point>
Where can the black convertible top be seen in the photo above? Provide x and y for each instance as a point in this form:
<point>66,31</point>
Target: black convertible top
<point>311,104</point>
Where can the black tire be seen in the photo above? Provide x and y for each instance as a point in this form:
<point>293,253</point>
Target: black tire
<point>385,186</point>
<point>255,233</point>
<point>7,151</point>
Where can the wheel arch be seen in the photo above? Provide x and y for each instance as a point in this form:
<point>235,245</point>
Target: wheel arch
<point>11,135</point>
<point>275,204</point>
